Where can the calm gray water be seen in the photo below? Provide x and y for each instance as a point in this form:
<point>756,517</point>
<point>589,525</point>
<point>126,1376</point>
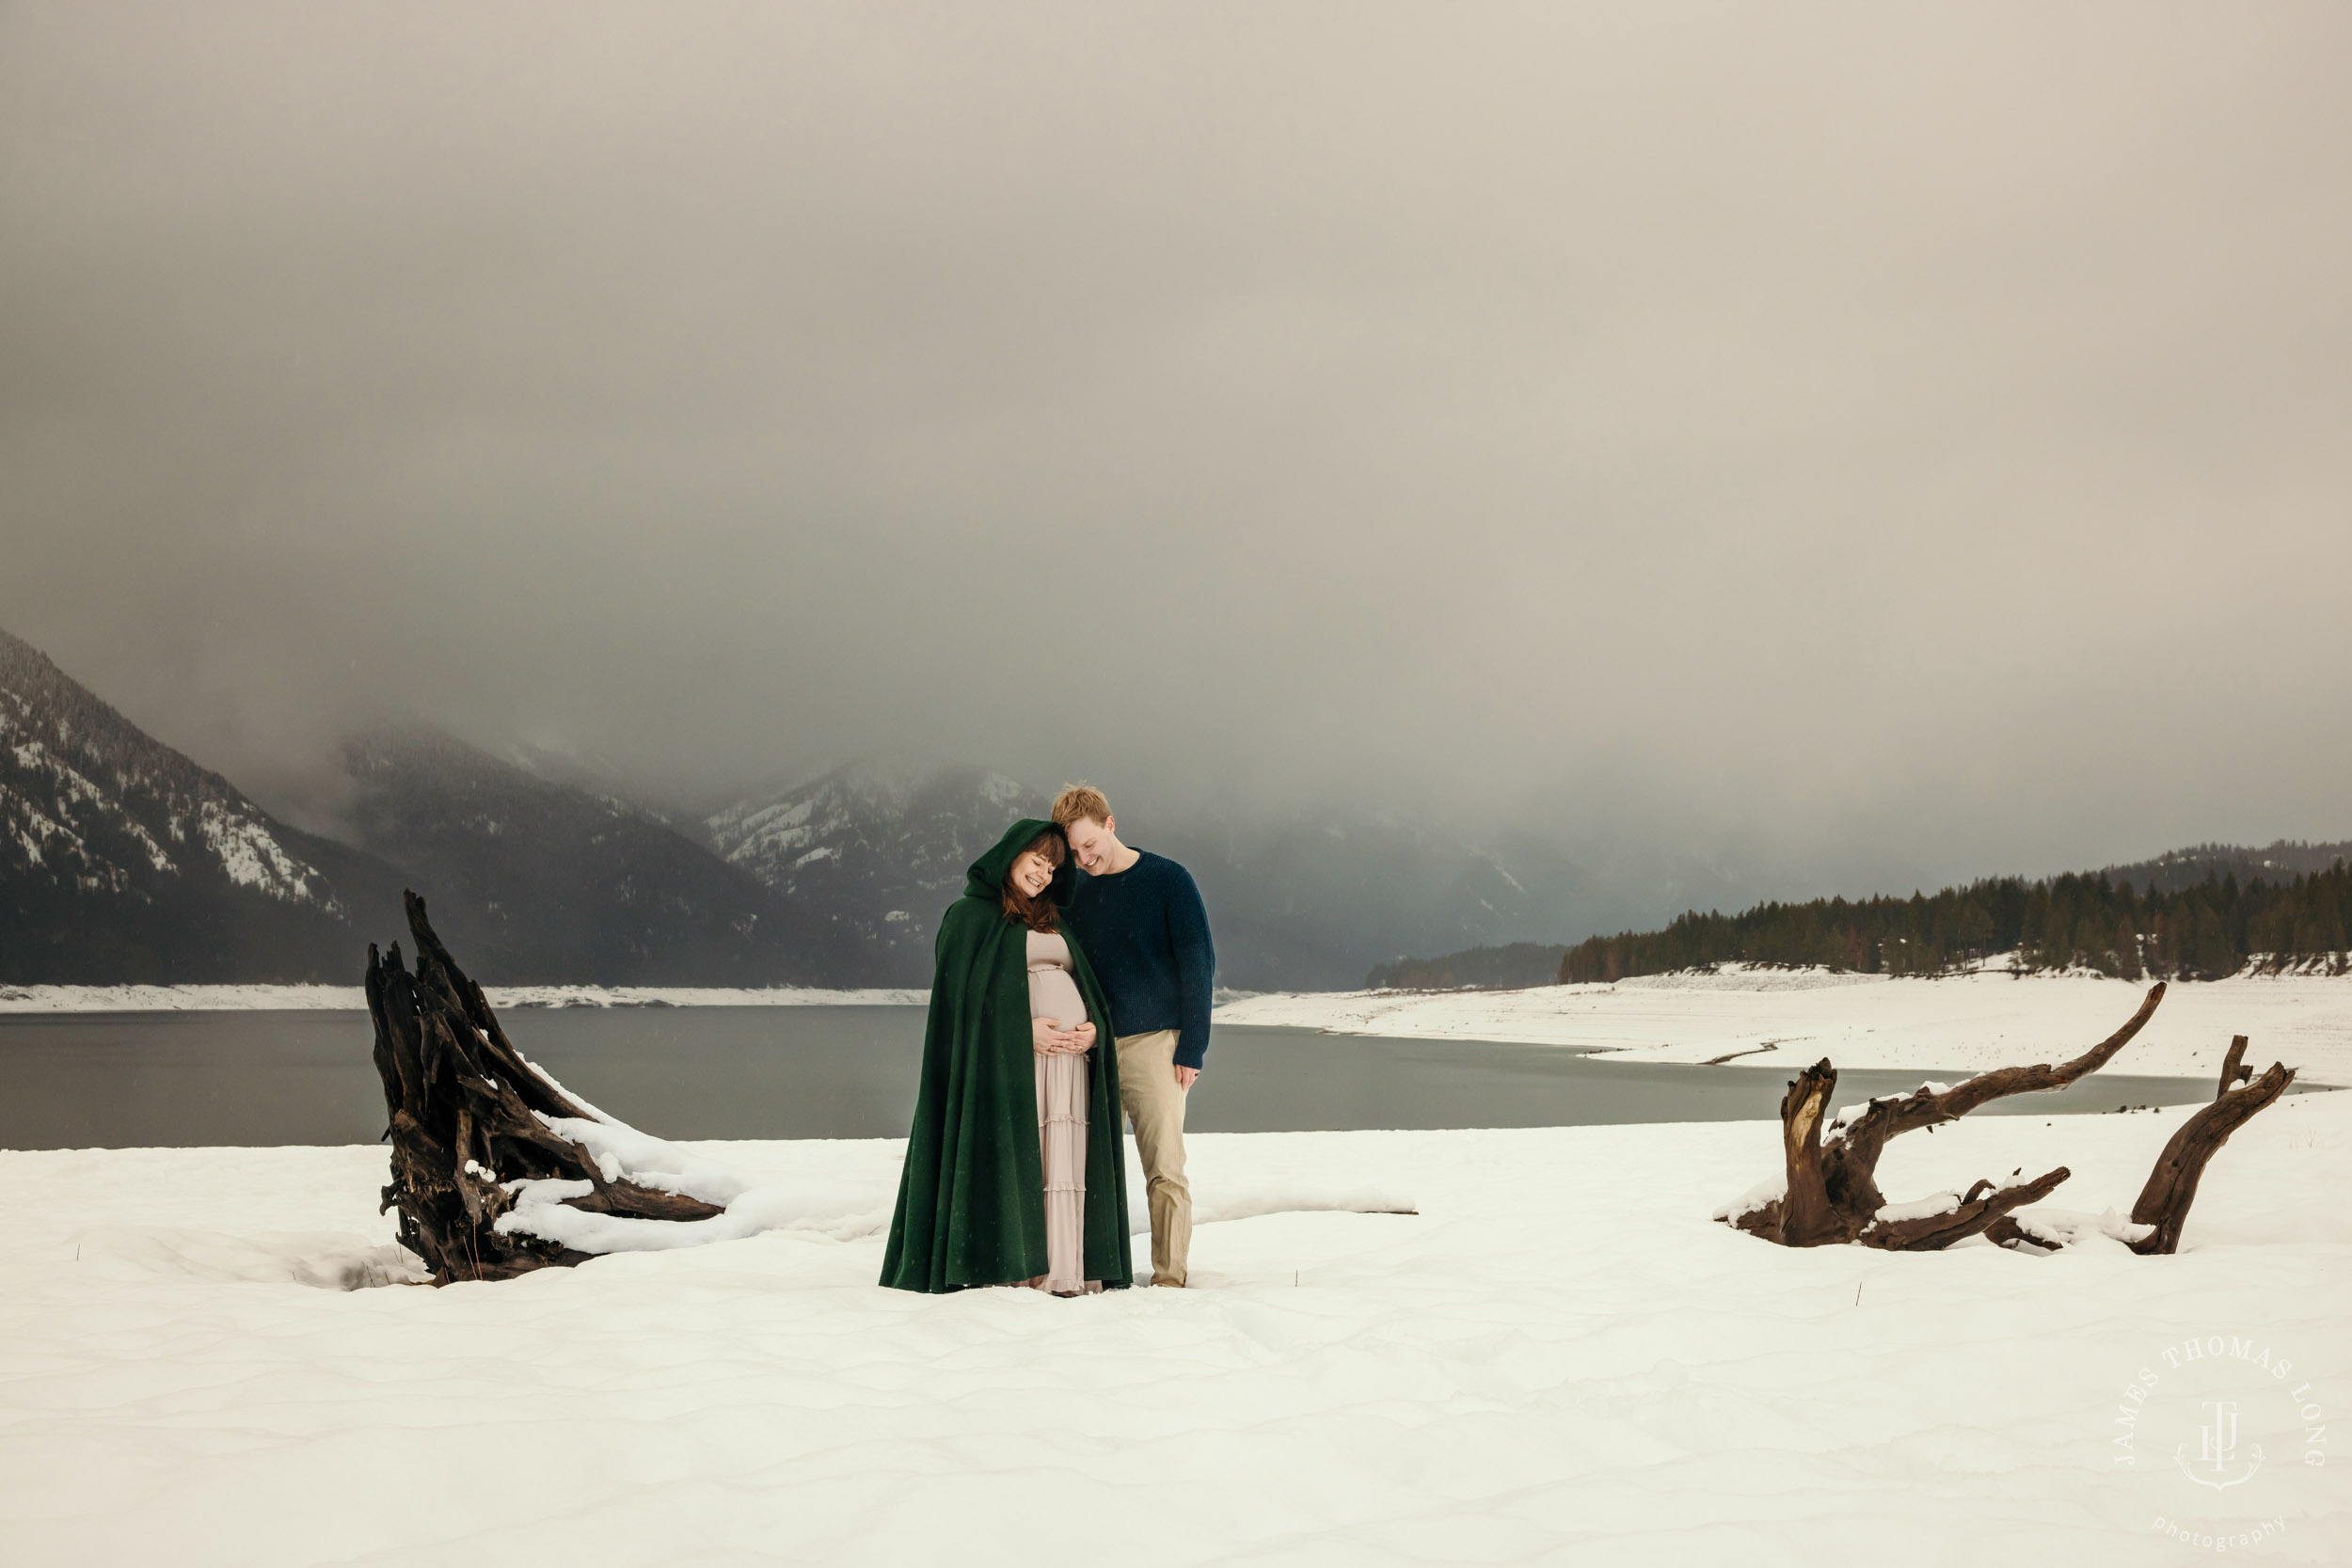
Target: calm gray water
<point>132,1080</point>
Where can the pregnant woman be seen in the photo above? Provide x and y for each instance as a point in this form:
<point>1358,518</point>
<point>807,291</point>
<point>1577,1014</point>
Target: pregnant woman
<point>1014,1171</point>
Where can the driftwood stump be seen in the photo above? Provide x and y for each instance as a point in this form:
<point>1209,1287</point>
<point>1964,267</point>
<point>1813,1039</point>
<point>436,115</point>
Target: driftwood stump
<point>1832,1194</point>
<point>468,1122</point>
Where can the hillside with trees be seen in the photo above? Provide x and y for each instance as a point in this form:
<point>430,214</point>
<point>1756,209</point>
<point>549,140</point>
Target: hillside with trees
<point>2202,931</point>
<point>2178,870</point>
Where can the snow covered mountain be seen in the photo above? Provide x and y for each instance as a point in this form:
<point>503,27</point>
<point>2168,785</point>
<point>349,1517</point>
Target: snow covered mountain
<point>877,853</point>
<point>121,860</point>
<point>539,881</point>
<point>1295,903</point>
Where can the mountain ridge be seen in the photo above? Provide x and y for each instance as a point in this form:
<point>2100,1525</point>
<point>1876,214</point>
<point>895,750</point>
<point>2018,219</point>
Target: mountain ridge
<point>123,860</point>
<point>2178,870</point>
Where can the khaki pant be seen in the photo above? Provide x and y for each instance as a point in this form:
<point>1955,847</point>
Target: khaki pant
<point>1154,1103</point>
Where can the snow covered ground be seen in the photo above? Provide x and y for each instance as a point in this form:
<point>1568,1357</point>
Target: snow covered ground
<point>1786,1018</point>
<point>1559,1359</point>
<point>148,999</point>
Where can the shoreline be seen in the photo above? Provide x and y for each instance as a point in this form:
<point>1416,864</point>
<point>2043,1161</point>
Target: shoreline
<point>319,999</point>
<point>1776,1020</point>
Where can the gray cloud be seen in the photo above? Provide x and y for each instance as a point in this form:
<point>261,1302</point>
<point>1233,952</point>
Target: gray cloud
<point>1884,442</point>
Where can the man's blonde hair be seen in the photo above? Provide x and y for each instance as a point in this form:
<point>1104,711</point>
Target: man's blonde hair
<point>1081,800</point>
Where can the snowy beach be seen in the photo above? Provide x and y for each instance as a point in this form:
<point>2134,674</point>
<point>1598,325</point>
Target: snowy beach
<point>1559,1358</point>
<point>1784,1019</point>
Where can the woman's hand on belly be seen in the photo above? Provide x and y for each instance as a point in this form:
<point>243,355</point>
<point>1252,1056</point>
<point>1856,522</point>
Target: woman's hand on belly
<point>1049,1039</point>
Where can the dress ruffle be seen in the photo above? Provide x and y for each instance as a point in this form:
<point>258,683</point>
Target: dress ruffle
<point>1061,1135</point>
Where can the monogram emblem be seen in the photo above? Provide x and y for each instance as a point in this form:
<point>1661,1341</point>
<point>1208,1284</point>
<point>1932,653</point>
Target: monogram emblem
<point>2217,1450</point>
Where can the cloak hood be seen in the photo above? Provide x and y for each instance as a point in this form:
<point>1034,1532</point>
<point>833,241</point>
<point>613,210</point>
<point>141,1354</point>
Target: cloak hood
<point>985,877</point>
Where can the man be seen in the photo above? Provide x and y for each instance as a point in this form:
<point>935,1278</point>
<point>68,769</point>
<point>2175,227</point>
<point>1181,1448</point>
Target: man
<point>1140,920</point>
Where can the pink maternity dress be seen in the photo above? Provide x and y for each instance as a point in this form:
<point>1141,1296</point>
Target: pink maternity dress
<point>1061,1119</point>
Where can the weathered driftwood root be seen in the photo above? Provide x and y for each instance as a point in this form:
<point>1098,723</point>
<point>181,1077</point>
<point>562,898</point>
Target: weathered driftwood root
<point>1983,1207</point>
<point>2163,1207</point>
<point>1832,1194</point>
<point>466,1123</point>
<point>2173,1186</point>
<point>2234,1068</point>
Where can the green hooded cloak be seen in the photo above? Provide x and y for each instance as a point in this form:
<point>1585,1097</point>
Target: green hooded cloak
<point>972,1198</point>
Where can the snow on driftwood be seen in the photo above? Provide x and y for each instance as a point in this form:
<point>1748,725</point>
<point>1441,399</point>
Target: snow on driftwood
<point>485,1179</point>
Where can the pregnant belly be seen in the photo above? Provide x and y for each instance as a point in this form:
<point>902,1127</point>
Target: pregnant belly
<point>1054,994</point>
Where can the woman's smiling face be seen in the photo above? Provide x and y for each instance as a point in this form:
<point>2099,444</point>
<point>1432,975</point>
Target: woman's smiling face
<point>1031,873</point>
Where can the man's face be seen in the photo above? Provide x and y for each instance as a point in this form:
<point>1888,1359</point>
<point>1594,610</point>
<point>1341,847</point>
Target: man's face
<point>1092,843</point>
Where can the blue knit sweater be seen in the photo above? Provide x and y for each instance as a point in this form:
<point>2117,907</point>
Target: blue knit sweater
<point>1147,935</point>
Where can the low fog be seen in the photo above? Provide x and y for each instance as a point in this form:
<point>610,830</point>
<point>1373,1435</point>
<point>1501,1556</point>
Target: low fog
<point>1881,444</point>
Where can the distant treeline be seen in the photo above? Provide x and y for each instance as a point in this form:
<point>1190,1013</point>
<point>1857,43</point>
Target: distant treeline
<point>2200,932</point>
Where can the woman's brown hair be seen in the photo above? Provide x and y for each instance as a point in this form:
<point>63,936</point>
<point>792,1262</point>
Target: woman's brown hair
<point>1036,914</point>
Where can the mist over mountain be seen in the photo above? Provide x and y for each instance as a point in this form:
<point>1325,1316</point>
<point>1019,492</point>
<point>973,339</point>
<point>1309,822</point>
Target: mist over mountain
<point>542,880</point>
<point>1513,967</point>
<point>121,860</point>
<point>541,873</point>
<point>1857,447</point>
<point>879,853</point>
<point>1300,899</point>
<point>541,870</point>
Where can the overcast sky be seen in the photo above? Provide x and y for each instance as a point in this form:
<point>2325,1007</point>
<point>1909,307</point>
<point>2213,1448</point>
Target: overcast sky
<point>1912,437</point>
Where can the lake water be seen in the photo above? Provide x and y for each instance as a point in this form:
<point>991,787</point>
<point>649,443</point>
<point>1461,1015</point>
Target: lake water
<point>131,1080</point>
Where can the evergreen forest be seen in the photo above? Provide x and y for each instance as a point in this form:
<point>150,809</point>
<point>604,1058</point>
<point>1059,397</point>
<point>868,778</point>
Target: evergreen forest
<point>2204,931</point>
